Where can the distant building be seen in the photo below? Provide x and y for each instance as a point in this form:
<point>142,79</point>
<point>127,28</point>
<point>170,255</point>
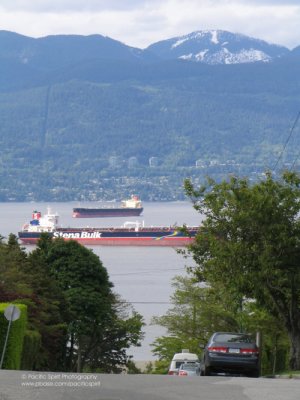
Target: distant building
<point>132,162</point>
<point>230,162</point>
<point>213,162</point>
<point>200,164</point>
<point>114,161</point>
<point>153,162</point>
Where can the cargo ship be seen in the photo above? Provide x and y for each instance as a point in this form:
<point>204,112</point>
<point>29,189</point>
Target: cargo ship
<point>129,208</point>
<point>130,234</point>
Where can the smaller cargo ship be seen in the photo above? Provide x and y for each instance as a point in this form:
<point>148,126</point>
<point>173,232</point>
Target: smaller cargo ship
<point>129,208</point>
<point>130,234</point>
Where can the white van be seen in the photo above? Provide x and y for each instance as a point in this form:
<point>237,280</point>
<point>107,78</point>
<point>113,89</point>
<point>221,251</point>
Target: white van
<point>180,358</point>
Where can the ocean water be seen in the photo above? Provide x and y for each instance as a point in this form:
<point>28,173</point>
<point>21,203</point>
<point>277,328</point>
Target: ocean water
<point>141,275</point>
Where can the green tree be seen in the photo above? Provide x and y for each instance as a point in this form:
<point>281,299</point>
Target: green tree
<point>132,368</point>
<point>98,336</point>
<point>198,311</point>
<point>13,283</point>
<point>249,243</point>
<point>27,281</point>
<point>48,315</point>
<point>111,340</point>
<point>275,342</point>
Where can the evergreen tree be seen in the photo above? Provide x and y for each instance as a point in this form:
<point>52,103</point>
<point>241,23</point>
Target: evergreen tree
<point>97,336</point>
<point>26,280</point>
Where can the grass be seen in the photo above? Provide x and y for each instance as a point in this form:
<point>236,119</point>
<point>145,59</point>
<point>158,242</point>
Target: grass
<point>289,374</point>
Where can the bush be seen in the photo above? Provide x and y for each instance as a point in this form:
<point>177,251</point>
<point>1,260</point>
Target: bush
<point>13,354</point>
<point>31,347</point>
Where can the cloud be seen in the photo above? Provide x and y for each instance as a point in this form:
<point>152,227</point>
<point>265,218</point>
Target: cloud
<point>252,2</point>
<point>139,23</point>
<point>53,6</point>
<point>271,2</point>
<point>277,23</point>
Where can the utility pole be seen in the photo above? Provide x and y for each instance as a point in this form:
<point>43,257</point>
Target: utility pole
<point>11,313</point>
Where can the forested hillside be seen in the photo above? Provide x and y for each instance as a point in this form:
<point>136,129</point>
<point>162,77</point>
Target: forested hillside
<point>101,128</point>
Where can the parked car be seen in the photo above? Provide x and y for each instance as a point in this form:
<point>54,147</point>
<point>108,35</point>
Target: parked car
<point>228,352</point>
<point>189,369</point>
<point>180,358</point>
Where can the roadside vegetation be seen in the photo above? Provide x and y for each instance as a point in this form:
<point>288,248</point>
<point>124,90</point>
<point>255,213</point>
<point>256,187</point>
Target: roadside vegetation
<point>246,279</point>
<point>247,275</point>
<point>75,320</point>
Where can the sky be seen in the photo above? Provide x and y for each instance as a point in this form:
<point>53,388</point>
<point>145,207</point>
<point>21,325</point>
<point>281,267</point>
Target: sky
<point>139,23</point>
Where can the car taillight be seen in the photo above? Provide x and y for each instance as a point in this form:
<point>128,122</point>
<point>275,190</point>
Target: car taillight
<point>249,351</point>
<point>217,349</point>
<point>182,373</point>
<point>172,373</point>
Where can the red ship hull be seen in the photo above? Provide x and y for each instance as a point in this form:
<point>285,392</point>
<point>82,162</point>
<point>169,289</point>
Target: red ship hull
<point>161,242</point>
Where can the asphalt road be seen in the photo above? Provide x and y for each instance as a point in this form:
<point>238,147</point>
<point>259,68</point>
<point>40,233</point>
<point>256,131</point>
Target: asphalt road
<point>16,385</point>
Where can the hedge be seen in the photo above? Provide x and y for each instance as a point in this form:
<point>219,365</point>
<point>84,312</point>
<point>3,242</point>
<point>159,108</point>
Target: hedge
<point>13,354</point>
<point>31,347</point>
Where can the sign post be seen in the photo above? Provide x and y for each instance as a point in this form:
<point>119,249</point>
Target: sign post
<point>11,313</point>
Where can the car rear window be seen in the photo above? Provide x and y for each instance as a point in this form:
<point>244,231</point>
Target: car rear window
<point>232,338</point>
<point>189,367</point>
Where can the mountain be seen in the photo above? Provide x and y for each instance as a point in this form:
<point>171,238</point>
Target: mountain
<point>26,62</point>
<point>296,50</point>
<point>86,118</point>
<point>217,47</point>
<point>54,52</point>
<point>63,51</point>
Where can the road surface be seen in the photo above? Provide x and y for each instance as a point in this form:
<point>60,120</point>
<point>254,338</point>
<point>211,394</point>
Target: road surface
<point>20,385</point>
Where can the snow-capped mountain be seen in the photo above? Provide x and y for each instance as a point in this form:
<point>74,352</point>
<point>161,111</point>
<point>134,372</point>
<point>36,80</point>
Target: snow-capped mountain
<point>217,47</point>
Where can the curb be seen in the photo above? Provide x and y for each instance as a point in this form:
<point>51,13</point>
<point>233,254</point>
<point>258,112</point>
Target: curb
<point>289,376</point>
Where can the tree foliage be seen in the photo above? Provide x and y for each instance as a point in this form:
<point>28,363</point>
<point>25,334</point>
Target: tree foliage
<point>250,244</point>
<point>99,329</point>
<point>74,317</point>
<point>28,282</point>
<point>198,311</point>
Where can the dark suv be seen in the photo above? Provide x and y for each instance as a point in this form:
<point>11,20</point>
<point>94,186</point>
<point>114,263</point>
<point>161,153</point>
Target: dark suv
<point>234,353</point>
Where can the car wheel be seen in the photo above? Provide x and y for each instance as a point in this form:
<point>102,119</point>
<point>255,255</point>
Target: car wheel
<point>206,371</point>
<point>254,374</point>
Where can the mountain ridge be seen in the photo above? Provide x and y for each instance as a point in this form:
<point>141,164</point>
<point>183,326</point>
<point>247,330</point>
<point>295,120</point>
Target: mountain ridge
<point>71,121</point>
<point>206,46</point>
<point>217,47</point>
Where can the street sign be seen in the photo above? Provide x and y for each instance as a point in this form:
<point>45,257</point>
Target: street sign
<point>12,313</point>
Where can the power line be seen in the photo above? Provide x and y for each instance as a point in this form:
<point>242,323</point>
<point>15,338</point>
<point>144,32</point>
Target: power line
<point>287,141</point>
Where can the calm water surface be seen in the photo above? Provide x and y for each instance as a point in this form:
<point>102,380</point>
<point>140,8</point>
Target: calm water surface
<point>141,275</point>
